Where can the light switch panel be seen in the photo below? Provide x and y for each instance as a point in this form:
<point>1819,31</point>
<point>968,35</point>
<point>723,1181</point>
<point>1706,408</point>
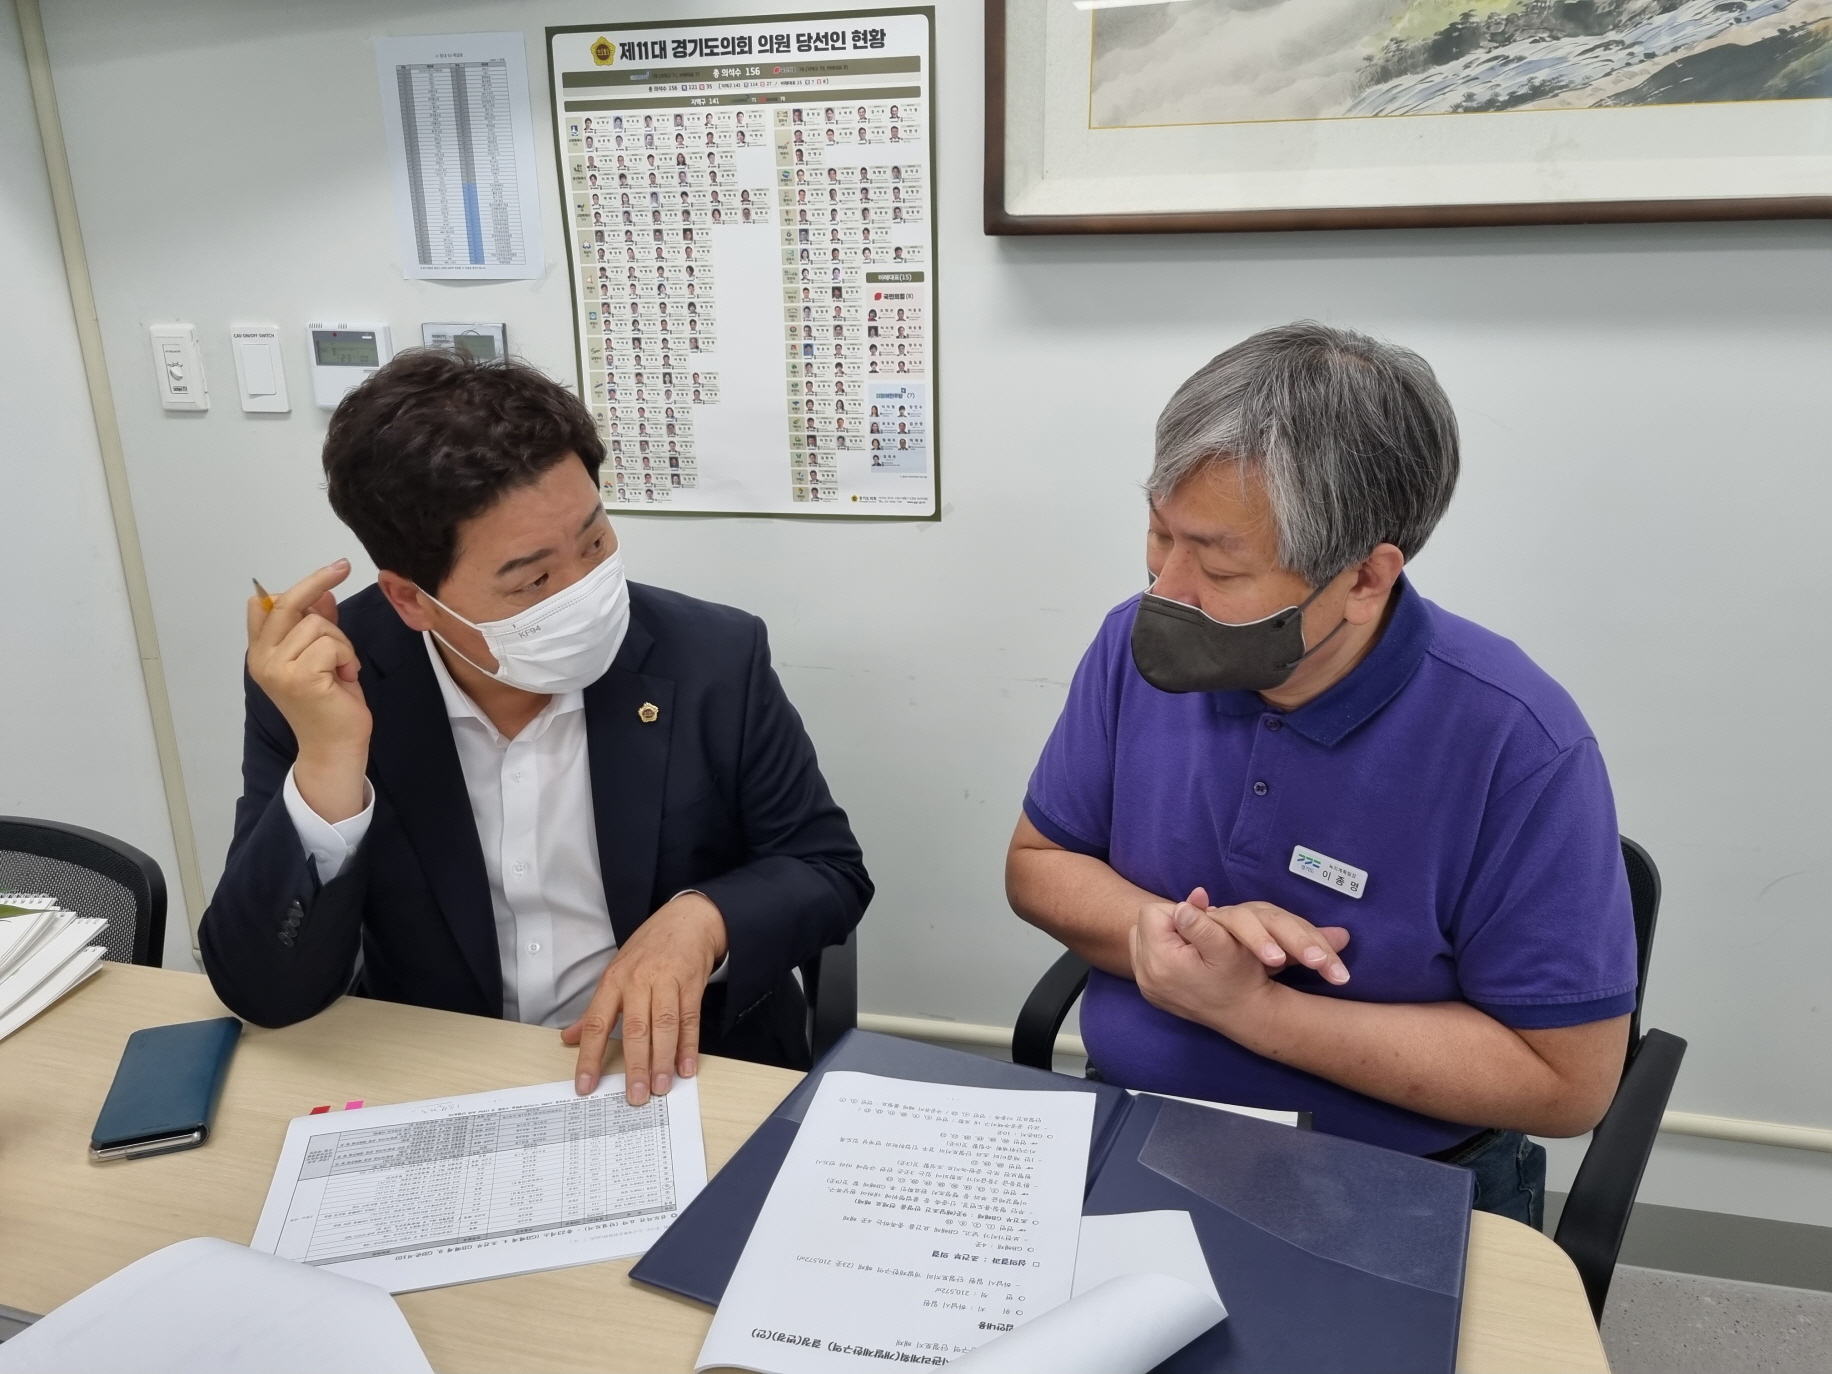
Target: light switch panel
<point>179,367</point>
<point>258,370</point>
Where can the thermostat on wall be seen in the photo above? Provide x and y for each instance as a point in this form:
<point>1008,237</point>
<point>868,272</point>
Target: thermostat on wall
<point>488,343</point>
<point>342,355</point>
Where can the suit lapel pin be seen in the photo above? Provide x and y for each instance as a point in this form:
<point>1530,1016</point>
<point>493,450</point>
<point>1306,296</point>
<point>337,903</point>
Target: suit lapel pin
<point>648,713</point>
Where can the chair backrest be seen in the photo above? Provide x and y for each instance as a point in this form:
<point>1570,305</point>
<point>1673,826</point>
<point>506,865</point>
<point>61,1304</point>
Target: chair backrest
<point>93,875</point>
<point>1644,896</point>
<point>831,984</point>
<point>1602,1198</point>
<point>1033,1038</point>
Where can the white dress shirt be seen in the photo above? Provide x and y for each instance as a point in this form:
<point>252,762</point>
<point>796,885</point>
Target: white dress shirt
<point>532,800</point>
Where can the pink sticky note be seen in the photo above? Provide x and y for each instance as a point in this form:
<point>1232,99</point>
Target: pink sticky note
<point>352,1106</point>
<point>316,1110</point>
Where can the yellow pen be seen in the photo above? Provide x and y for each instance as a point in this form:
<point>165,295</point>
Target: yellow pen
<point>267,602</point>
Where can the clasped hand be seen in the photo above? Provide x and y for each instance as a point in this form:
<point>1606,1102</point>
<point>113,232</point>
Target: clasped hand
<point>1214,965</point>
<point>655,983</point>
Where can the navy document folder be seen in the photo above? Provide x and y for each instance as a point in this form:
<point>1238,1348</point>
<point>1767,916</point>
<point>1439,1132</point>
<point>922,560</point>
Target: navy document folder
<point>1331,1255</point>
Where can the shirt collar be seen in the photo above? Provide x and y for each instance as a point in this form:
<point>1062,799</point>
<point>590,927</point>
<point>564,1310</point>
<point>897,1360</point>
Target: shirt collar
<point>1370,685</point>
<point>459,706</point>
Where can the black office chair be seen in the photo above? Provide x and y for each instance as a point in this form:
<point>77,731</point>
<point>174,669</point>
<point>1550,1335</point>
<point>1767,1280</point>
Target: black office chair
<point>831,984</point>
<point>1602,1196</point>
<point>93,875</point>
<point>1033,1039</point>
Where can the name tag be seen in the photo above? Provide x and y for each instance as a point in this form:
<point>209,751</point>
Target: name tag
<point>1332,873</point>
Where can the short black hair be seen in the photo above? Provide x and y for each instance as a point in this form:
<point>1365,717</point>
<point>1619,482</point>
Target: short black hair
<point>436,438</point>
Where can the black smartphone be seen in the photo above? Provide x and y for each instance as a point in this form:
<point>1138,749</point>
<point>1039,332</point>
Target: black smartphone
<point>165,1090</point>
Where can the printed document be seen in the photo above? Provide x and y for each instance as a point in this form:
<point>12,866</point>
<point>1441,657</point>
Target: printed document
<point>456,1189</point>
<point>1125,1243</point>
<point>910,1223</point>
<point>460,137</point>
<point>1126,1325</point>
<point>1142,1292</point>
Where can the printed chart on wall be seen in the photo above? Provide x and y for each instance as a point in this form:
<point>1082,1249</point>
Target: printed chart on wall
<point>460,138</point>
<point>751,229</point>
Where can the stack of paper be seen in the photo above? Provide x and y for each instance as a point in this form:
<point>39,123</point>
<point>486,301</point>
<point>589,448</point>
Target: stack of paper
<point>1142,1292</point>
<point>205,1306</point>
<point>19,903</point>
<point>935,1224</point>
<point>44,952</point>
<point>456,1189</point>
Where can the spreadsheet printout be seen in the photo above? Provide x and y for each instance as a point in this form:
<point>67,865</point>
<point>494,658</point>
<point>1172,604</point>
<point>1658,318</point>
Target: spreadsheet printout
<point>749,214</point>
<point>456,1189</point>
<point>460,138</point>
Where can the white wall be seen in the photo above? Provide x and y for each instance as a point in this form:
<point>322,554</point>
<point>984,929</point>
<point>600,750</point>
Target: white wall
<point>76,738</point>
<point>1645,413</point>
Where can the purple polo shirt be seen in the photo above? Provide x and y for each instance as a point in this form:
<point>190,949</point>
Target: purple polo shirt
<point>1449,767</point>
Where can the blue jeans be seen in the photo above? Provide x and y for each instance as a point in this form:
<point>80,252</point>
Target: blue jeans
<point>1510,1174</point>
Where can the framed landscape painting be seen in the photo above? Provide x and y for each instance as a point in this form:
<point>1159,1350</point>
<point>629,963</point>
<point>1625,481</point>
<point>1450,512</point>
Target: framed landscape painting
<point>1108,116</point>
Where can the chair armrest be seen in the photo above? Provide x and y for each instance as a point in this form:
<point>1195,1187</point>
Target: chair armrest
<point>1596,1214</point>
<point>832,986</point>
<point>1033,1039</point>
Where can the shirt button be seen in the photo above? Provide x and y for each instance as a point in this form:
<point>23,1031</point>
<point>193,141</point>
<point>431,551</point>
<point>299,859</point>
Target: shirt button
<point>523,868</point>
<point>534,946</point>
<point>1272,723</point>
<point>516,776</point>
<point>1260,789</point>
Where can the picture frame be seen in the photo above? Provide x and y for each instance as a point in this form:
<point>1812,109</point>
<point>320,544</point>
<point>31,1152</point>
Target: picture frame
<point>1635,155</point>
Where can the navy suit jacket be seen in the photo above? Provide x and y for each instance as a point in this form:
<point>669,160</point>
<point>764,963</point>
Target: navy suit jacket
<point>721,792</point>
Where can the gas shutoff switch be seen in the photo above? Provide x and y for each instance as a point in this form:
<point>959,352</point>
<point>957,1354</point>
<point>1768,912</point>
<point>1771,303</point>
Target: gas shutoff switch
<point>179,368</point>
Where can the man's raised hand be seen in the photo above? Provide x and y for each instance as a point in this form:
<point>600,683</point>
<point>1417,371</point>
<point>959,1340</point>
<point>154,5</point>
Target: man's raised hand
<point>308,668</point>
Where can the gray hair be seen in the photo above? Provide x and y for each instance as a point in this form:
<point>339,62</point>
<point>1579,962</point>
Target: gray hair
<point>1353,437</point>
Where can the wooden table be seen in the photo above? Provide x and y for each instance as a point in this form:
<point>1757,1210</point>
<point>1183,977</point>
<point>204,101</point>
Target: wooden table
<point>66,1223</point>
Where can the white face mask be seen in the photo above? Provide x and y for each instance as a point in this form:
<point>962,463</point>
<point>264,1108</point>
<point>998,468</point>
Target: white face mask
<point>562,644</point>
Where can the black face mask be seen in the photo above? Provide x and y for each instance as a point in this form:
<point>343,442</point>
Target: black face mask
<point>1179,648</point>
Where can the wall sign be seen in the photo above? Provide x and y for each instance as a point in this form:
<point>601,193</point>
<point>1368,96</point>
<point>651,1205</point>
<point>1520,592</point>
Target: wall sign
<point>750,222</point>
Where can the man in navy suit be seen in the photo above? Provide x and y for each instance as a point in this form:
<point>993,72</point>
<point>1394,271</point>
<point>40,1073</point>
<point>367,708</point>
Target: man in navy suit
<point>504,780</point>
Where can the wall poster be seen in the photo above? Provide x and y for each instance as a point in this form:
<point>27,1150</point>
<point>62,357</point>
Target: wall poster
<point>750,223</point>
<point>460,133</point>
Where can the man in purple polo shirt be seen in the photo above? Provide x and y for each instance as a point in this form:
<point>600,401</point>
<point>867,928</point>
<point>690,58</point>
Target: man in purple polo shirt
<point>1327,846</point>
